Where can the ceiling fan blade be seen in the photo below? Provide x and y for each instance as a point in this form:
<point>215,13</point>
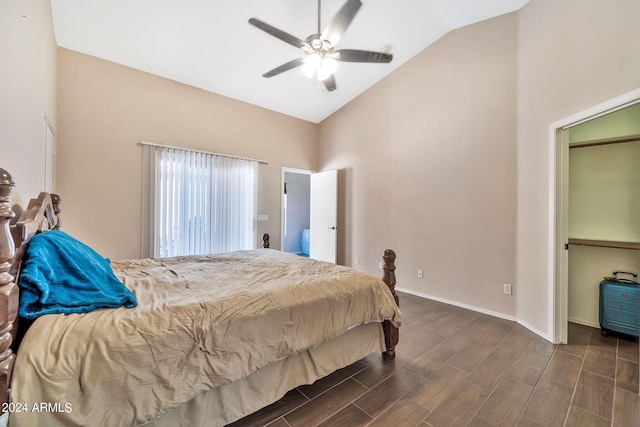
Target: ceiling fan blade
<point>352,55</point>
<point>285,37</point>
<point>329,83</point>
<point>334,31</point>
<point>284,67</point>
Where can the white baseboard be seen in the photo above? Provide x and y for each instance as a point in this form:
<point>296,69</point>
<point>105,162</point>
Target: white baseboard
<point>535,331</point>
<point>584,322</point>
<point>477,309</point>
<point>459,304</point>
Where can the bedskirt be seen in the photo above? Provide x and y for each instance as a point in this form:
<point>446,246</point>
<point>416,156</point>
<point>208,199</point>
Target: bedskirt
<point>233,401</point>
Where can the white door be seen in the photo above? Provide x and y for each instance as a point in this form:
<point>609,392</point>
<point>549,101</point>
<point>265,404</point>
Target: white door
<point>324,216</point>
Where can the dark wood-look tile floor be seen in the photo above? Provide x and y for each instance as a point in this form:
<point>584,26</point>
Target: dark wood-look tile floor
<point>456,367</point>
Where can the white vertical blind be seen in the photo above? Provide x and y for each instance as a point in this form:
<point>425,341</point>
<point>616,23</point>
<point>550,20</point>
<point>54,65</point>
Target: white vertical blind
<point>197,203</point>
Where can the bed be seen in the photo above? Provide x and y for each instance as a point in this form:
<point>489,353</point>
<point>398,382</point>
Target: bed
<point>206,341</point>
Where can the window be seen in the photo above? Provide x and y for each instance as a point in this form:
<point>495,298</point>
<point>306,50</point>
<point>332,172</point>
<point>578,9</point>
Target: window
<point>197,203</point>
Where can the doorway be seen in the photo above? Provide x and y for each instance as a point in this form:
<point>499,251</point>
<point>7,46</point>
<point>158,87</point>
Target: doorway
<point>309,213</point>
<point>559,209</point>
<point>296,211</point>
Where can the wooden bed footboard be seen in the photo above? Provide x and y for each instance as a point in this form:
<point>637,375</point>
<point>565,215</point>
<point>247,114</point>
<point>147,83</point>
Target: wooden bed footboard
<point>391,332</point>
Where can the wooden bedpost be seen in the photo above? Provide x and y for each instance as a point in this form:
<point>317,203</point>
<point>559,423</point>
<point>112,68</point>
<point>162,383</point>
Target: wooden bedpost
<point>391,332</point>
<point>8,288</point>
<point>56,201</point>
<point>265,240</point>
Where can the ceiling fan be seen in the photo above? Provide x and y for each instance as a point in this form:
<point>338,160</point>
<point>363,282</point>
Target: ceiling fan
<point>320,57</point>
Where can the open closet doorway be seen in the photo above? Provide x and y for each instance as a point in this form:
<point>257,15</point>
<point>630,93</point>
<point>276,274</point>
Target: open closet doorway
<point>573,289</point>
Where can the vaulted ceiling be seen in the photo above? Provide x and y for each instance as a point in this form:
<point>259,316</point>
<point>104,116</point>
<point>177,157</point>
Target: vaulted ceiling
<point>210,44</point>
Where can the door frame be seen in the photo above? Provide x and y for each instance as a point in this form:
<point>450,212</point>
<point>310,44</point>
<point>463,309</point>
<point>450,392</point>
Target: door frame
<point>558,286</point>
<point>283,218</point>
<point>49,156</point>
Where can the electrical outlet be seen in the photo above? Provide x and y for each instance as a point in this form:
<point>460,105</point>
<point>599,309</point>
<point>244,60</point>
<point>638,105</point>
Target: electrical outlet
<point>420,273</point>
<point>357,260</point>
<point>507,289</point>
<point>380,265</point>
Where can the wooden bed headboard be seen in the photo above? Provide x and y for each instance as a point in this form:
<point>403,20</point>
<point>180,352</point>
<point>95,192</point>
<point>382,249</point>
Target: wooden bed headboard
<point>8,289</point>
<point>42,214</point>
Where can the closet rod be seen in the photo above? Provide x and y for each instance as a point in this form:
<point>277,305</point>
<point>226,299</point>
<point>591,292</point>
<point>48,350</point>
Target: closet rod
<point>605,244</point>
<point>634,138</point>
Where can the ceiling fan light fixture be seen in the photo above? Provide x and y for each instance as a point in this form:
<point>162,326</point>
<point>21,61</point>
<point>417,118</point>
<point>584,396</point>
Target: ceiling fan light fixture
<point>320,58</point>
<point>328,66</point>
<point>312,63</point>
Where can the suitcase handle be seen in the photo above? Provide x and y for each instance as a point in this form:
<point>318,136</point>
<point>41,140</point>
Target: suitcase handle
<point>629,273</point>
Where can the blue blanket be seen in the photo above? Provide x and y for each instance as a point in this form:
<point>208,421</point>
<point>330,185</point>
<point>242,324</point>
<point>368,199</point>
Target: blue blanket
<point>63,275</point>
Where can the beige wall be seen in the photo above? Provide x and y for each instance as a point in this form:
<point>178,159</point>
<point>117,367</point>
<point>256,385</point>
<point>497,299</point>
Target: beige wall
<point>105,109</point>
<point>447,159</point>
<point>27,91</point>
<point>428,160</point>
<point>573,54</point>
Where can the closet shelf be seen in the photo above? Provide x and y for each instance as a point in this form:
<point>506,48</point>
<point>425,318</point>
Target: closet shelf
<point>605,244</point>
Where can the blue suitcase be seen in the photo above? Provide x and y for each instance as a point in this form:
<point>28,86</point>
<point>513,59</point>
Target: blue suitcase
<point>620,305</point>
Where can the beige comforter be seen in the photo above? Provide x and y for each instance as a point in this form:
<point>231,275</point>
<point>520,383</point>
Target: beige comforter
<point>200,322</point>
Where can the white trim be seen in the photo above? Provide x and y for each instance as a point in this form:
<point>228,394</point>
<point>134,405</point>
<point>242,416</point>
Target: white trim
<point>534,330</point>
<point>476,309</point>
<point>264,162</point>
<point>459,304</point>
<point>551,253</point>
<point>295,170</point>
<point>584,322</point>
<point>602,113</point>
<point>46,118</point>
<point>596,111</point>
<point>49,152</point>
